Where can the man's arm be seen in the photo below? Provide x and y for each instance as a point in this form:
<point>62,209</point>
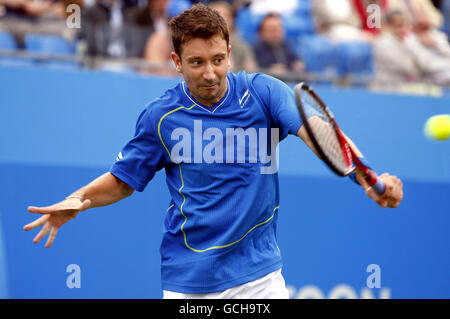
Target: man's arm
<point>394,187</point>
<point>105,190</point>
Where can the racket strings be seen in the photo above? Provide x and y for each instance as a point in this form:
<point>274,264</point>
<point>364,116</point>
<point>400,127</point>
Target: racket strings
<point>324,132</point>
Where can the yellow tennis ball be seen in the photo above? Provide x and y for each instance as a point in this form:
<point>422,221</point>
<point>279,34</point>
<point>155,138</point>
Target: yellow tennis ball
<point>438,127</point>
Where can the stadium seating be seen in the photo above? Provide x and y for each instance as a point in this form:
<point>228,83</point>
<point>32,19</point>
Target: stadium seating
<point>298,25</point>
<point>52,45</point>
<point>7,41</point>
<point>318,53</point>
<point>355,58</point>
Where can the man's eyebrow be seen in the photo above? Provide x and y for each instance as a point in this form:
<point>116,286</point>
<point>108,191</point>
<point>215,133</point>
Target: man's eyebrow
<point>201,58</point>
<point>194,58</point>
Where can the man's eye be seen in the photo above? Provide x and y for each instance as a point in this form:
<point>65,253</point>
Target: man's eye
<point>196,62</point>
<point>219,60</point>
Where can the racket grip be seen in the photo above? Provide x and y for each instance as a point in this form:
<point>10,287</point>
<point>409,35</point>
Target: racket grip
<point>376,183</point>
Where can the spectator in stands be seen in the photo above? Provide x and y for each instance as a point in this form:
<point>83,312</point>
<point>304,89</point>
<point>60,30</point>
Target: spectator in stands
<point>430,37</point>
<point>400,58</point>
<point>344,20</point>
<point>425,19</point>
<point>272,51</point>
<point>158,45</point>
<point>415,10</point>
<point>20,17</point>
<point>102,29</point>
<point>150,28</point>
<point>395,64</point>
<point>153,15</point>
<point>113,28</point>
<point>242,57</point>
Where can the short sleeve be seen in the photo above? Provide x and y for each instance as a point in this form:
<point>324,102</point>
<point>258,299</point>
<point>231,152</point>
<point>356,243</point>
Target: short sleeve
<point>141,157</point>
<point>279,99</point>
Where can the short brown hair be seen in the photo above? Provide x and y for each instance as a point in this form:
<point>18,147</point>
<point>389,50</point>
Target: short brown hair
<point>199,21</point>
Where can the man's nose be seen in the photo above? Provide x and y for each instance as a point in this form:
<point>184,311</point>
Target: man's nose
<point>208,73</point>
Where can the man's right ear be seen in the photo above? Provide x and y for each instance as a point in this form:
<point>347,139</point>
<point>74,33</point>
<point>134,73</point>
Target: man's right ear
<point>177,61</point>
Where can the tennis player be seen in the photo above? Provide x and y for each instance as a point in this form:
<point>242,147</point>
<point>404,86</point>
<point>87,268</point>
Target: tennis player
<point>213,134</point>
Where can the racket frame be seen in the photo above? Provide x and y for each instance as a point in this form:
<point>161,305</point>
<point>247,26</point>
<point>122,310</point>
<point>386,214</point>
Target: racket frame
<point>344,145</point>
<point>349,154</point>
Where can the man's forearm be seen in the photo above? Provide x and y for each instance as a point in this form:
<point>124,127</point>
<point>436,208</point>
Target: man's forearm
<point>104,190</point>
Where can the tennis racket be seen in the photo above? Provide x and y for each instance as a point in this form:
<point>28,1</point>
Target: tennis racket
<point>328,139</point>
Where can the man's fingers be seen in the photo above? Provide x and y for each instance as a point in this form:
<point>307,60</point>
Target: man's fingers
<point>51,237</point>
<point>61,207</point>
<point>41,210</point>
<point>44,231</point>
<point>38,222</point>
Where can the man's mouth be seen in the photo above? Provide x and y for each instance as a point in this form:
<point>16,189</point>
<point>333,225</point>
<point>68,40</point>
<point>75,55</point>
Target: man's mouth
<point>209,86</point>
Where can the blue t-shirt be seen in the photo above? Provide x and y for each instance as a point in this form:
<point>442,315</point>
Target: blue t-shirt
<point>221,172</point>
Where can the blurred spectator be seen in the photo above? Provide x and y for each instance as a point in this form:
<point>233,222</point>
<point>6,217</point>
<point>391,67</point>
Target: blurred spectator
<point>343,20</point>
<point>415,10</point>
<point>158,45</point>
<point>242,56</point>
<point>153,15</point>
<point>118,28</point>
<point>20,17</point>
<point>400,58</point>
<point>431,38</point>
<point>150,28</point>
<point>425,19</point>
<point>102,29</point>
<point>272,51</point>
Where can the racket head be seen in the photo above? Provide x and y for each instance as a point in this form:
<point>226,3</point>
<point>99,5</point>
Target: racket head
<point>323,130</point>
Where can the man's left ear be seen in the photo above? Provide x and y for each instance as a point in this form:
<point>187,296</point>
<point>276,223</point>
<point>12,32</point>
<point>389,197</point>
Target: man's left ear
<point>229,56</point>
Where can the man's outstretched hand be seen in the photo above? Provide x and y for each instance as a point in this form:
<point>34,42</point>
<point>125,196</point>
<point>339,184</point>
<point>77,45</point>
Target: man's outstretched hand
<point>54,217</point>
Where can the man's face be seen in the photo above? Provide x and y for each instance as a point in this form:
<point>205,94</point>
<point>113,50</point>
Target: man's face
<point>204,64</point>
<point>272,30</point>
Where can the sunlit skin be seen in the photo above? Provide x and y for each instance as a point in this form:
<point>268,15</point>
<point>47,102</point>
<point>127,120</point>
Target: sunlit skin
<point>204,64</point>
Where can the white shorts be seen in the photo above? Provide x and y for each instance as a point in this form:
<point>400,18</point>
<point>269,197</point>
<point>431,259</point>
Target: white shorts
<point>271,286</point>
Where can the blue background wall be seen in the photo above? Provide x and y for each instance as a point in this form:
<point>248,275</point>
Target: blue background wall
<point>60,129</point>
